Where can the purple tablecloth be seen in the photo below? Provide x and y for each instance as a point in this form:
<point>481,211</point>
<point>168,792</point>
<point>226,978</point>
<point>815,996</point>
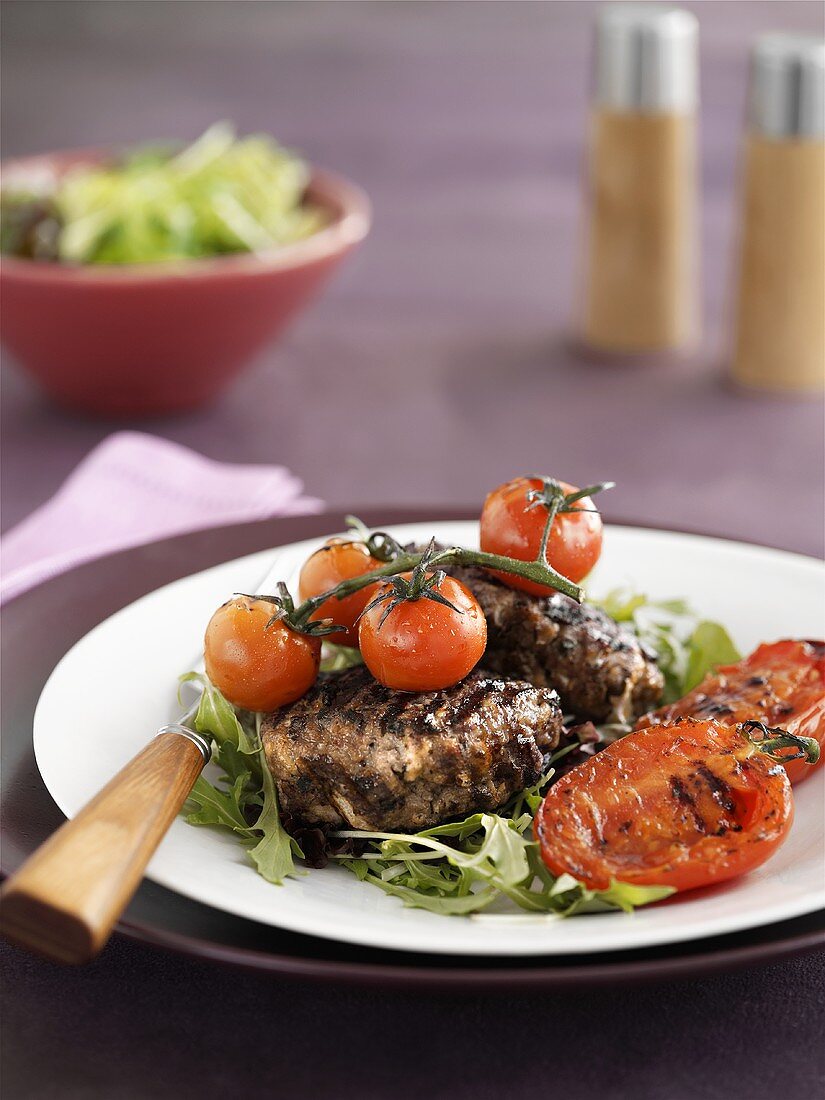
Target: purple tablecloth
<point>437,365</point>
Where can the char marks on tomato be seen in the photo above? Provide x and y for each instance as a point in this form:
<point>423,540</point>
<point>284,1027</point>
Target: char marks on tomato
<point>683,806</point>
<point>354,753</point>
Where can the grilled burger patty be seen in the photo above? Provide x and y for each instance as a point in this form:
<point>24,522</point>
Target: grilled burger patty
<point>354,753</point>
<point>599,669</point>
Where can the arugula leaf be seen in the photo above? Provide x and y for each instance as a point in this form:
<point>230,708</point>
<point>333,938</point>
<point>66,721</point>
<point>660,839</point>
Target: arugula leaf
<point>206,805</point>
<point>627,896</point>
<point>218,718</point>
<point>500,859</point>
<point>685,647</point>
<point>709,645</point>
<point>245,785</point>
<point>571,897</point>
<point>446,905</point>
<point>273,855</point>
<point>622,606</point>
<point>336,658</point>
<point>241,771</point>
<point>495,858</point>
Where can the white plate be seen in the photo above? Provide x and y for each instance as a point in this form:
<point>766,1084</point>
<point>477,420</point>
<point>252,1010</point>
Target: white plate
<point>117,685</point>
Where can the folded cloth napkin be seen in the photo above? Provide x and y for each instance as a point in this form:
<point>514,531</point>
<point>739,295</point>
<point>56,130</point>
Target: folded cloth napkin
<point>134,488</point>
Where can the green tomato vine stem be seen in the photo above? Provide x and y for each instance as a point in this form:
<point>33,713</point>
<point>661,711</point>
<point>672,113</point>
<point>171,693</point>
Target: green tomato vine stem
<point>551,496</point>
<point>537,571</point>
<point>770,741</point>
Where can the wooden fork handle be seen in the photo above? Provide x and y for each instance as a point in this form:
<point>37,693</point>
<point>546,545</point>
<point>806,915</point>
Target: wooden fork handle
<point>65,899</point>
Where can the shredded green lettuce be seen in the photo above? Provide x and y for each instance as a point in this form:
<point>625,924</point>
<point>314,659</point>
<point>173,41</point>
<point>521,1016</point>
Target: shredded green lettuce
<point>221,194</point>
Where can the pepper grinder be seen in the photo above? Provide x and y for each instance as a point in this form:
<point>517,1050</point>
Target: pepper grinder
<point>640,290</point>
<point>779,339</point>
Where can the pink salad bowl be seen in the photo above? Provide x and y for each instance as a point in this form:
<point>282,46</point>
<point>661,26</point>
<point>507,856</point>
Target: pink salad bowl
<point>138,340</point>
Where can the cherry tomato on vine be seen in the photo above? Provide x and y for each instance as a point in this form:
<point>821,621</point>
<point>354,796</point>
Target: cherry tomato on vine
<point>421,644</point>
<point>511,525</point>
<point>780,684</point>
<point>685,806</point>
<point>336,561</point>
<point>255,664</point>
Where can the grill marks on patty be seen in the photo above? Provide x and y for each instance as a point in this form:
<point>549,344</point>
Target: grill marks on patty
<point>353,752</point>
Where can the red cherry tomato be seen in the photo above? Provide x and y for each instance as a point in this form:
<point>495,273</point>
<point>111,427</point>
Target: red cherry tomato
<point>682,806</point>
<point>423,645</point>
<point>510,527</point>
<point>256,666</point>
<point>781,684</point>
<point>336,561</point>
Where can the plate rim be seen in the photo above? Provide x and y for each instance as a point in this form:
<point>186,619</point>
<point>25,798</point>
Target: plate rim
<point>681,967</point>
<point>285,530</point>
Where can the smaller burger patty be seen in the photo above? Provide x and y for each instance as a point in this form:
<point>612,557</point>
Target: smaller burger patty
<point>599,669</point>
<point>354,753</point>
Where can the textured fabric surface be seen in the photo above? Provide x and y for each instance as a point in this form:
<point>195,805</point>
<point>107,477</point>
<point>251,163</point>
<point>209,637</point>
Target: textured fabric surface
<point>143,1025</point>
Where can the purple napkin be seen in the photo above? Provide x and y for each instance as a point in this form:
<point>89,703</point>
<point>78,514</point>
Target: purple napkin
<point>134,488</point>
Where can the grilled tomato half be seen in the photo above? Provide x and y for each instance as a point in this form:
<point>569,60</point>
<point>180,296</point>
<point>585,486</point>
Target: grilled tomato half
<point>683,806</point>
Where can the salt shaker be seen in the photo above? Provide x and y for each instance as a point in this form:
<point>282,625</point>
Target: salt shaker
<point>640,289</point>
<point>779,339</point>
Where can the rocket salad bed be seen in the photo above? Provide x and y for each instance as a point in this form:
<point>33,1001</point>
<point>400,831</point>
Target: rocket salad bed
<point>460,867</point>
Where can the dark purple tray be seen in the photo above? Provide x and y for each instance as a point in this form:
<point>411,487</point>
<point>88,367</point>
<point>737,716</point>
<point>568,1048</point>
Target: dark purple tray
<point>41,625</point>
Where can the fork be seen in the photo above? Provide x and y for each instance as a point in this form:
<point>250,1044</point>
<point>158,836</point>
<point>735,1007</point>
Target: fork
<point>64,901</point>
